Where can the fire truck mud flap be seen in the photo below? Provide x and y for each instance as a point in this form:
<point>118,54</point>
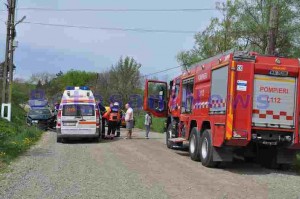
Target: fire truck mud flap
<point>286,156</point>
<point>224,154</point>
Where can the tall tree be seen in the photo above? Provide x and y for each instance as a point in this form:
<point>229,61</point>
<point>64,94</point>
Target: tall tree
<point>125,77</point>
<point>245,25</point>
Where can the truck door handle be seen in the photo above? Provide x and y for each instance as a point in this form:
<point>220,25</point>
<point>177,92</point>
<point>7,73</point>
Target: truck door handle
<point>219,124</point>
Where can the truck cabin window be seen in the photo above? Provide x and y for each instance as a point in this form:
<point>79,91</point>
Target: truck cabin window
<point>157,96</point>
<point>187,95</point>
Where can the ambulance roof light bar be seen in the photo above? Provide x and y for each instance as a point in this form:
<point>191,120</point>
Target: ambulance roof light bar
<point>77,88</point>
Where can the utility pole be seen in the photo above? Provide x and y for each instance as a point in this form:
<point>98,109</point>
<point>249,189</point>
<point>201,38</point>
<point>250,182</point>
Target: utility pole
<point>5,67</point>
<point>9,63</point>
<point>6,106</point>
<point>273,26</point>
<point>12,37</point>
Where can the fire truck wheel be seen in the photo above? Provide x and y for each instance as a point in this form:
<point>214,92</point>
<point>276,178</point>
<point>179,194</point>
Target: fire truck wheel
<point>194,145</point>
<point>206,149</point>
<point>168,136</point>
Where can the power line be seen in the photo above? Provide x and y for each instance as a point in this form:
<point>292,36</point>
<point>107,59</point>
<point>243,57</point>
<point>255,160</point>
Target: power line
<point>113,29</point>
<point>117,10</point>
<point>150,74</point>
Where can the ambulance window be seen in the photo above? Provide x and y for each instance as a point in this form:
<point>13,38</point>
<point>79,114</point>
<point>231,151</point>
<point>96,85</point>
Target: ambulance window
<point>187,95</point>
<point>78,110</point>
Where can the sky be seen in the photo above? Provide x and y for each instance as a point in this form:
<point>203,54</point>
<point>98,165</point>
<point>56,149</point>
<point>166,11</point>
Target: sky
<point>51,49</point>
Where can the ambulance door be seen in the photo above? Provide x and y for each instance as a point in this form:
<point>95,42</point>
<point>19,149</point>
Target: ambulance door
<point>78,119</point>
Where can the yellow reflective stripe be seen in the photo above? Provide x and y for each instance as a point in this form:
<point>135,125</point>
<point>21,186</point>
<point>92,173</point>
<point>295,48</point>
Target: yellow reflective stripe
<point>229,126</point>
<point>229,118</point>
<point>274,79</point>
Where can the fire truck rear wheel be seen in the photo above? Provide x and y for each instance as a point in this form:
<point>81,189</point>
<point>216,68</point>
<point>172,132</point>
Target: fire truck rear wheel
<point>206,150</point>
<point>194,145</point>
<point>168,136</point>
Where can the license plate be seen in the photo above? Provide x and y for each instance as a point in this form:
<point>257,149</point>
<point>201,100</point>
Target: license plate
<point>35,121</point>
<point>279,73</point>
<point>69,124</point>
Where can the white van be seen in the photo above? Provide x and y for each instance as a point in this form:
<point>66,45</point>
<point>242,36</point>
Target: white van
<point>78,115</point>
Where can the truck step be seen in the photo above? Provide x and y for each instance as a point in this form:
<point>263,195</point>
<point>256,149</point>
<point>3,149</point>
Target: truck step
<point>176,140</point>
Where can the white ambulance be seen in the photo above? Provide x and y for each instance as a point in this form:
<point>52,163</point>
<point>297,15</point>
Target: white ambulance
<point>78,115</point>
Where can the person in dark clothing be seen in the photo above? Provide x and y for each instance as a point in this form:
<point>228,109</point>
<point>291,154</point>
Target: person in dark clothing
<point>119,125</point>
<point>113,117</point>
<point>102,110</point>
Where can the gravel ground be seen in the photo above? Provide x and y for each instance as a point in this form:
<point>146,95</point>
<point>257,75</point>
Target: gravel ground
<point>136,168</point>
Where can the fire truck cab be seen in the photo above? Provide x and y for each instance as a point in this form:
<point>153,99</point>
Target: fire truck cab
<point>236,104</point>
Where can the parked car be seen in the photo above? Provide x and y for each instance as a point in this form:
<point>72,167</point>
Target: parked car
<point>43,118</point>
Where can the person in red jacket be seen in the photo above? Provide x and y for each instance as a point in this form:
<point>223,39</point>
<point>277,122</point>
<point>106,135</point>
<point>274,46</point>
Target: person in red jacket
<point>113,117</point>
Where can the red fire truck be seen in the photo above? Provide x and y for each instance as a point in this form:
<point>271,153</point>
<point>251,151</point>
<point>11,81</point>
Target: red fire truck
<point>237,104</point>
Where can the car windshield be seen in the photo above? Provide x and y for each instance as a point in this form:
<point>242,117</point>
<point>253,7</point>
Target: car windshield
<point>78,110</point>
<point>39,112</point>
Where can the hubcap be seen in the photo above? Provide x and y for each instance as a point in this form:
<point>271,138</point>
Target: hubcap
<point>204,148</point>
<point>169,136</point>
<point>192,144</point>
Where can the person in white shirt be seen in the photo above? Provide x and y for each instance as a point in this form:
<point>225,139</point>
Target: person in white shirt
<point>148,122</point>
<point>129,120</point>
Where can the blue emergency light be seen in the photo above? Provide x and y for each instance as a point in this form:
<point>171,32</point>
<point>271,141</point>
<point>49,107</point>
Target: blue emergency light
<point>70,88</point>
<point>84,88</point>
<point>81,88</point>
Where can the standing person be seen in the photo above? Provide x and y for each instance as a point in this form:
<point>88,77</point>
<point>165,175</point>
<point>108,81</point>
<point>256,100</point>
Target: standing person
<point>129,120</point>
<point>119,124</point>
<point>113,117</point>
<point>102,110</point>
<point>148,122</point>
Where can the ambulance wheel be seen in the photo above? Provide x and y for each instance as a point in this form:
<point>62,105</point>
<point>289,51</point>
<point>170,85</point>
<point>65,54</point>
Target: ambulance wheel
<point>194,145</point>
<point>98,139</point>
<point>206,150</point>
<point>59,140</point>
<point>168,136</point>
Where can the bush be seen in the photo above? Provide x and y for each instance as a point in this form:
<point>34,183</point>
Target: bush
<point>16,137</point>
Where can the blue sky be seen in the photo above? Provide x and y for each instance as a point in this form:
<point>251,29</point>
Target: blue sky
<point>50,49</point>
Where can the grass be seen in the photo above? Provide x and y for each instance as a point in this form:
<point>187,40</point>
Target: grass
<point>157,123</point>
<point>15,137</point>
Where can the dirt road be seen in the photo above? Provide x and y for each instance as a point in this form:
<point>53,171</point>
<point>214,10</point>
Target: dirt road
<point>136,168</point>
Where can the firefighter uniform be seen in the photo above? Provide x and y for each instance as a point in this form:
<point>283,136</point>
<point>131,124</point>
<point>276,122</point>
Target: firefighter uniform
<point>113,118</point>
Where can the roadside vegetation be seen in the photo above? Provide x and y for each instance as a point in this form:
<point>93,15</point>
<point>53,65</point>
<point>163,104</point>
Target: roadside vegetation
<point>15,137</point>
<point>157,123</point>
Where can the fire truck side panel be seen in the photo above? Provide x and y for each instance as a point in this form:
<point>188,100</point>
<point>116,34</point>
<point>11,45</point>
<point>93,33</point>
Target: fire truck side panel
<point>202,92</point>
<point>297,113</point>
<point>242,100</point>
<point>217,103</point>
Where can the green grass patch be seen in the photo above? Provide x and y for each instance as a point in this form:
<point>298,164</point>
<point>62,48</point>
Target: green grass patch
<point>297,163</point>
<point>157,123</point>
<point>16,137</point>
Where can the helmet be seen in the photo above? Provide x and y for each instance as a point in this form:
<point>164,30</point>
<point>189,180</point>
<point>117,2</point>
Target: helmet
<point>116,104</point>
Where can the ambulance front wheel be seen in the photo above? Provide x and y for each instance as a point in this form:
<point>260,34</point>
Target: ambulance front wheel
<point>59,140</point>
